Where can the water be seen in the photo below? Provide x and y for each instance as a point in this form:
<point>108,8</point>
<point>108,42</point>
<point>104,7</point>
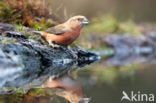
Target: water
<point>102,87</point>
<point>99,82</point>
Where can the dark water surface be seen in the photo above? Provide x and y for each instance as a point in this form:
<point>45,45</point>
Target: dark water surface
<point>100,82</point>
<point>106,86</point>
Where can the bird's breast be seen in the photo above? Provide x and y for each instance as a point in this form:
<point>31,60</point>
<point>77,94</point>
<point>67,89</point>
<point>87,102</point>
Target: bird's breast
<point>67,38</point>
<point>64,39</point>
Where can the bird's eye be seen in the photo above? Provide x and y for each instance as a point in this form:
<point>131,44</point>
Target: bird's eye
<point>79,19</point>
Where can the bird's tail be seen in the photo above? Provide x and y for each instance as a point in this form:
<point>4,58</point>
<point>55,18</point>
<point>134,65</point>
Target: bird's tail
<point>40,34</point>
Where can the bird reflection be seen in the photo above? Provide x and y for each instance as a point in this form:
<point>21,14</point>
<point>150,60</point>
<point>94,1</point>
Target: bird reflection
<point>64,86</point>
<point>51,84</point>
<point>69,88</point>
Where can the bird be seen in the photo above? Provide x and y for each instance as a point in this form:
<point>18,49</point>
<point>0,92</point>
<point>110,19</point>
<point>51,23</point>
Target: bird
<point>66,33</point>
<point>69,88</point>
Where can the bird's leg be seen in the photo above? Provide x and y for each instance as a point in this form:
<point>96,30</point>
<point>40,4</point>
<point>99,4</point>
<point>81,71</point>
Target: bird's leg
<point>64,48</point>
<point>53,44</point>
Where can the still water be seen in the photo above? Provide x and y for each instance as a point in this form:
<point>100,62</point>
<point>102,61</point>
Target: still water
<point>109,83</point>
<point>97,83</point>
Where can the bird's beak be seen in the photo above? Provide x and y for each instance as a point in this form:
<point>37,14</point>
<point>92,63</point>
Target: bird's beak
<point>85,22</point>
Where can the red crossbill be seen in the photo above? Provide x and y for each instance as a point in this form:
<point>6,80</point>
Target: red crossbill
<point>65,33</point>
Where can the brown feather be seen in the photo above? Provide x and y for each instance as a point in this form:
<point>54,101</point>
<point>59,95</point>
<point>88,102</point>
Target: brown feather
<point>57,30</point>
<point>66,33</point>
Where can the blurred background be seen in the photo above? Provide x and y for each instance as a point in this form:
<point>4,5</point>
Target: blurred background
<point>139,10</point>
<point>122,32</point>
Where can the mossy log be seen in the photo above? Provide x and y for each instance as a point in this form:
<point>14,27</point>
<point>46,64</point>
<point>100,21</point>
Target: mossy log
<point>24,60</point>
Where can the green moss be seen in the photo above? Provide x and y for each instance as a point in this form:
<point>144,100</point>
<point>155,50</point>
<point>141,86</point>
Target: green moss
<point>19,27</point>
<point>43,23</point>
<point>37,90</point>
<point>31,36</point>
<point>49,22</point>
<point>25,13</point>
<point>8,40</point>
<point>19,91</point>
<point>38,24</point>
<point>41,91</point>
<point>8,14</point>
<point>34,37</point>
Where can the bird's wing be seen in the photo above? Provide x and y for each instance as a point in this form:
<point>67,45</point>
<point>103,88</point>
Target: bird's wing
<point>57,30</point>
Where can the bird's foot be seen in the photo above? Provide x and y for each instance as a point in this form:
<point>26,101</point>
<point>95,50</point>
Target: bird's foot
<point>54,45</point>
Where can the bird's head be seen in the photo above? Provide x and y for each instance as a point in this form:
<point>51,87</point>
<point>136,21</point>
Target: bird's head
<point>77,21</point>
